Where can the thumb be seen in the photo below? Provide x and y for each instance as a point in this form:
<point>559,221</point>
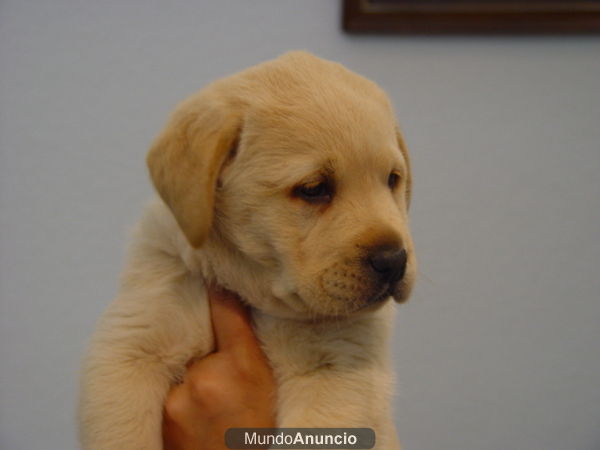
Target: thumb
<point>230,320</point>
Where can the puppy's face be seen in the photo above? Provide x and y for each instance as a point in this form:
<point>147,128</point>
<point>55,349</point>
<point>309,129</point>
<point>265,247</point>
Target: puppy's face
<point>318,194</point>
<point>313,194</point>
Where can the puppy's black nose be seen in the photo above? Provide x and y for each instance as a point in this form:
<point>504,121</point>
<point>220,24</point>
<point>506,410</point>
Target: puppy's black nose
<point>389,263</point>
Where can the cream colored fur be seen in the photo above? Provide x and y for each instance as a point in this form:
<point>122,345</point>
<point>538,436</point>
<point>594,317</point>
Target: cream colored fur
<point>227,168</point>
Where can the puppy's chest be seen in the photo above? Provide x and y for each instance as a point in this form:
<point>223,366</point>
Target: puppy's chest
<point>297,349</point>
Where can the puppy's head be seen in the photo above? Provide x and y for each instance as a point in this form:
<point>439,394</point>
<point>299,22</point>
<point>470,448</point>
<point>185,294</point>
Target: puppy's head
<point>293,177</point>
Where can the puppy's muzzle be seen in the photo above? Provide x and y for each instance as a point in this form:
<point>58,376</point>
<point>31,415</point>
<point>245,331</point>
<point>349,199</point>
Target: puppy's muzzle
<point>389,265</point>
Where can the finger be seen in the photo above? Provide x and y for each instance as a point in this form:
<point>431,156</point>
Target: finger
<point>178,406</point>
<point>183,420</point>
<point>231,321</point>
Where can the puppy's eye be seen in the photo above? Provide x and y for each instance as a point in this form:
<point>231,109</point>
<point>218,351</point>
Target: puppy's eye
<point>393,180</point>
<point>320,192</point>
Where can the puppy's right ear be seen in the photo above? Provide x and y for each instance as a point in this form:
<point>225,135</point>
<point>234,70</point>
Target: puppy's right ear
<point>186,159</point>
<point>404,150</point>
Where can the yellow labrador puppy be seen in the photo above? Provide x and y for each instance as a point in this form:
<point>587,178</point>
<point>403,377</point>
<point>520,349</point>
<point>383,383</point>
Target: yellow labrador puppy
<point>288,183</point>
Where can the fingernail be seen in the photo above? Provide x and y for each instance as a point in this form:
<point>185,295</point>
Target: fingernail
<point>219,290</point>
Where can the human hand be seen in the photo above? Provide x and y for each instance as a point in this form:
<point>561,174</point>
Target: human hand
<point>231,387</point>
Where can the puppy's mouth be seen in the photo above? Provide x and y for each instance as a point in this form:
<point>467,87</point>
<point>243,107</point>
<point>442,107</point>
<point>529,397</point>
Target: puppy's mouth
<point>397,291</point>
<point>384,293</point>
<point>338,308</point>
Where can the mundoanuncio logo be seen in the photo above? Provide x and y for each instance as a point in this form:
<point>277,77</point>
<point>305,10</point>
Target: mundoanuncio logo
<point>300,438</point>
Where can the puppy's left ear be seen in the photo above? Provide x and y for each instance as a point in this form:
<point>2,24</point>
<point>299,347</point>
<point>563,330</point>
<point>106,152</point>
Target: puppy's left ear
<point>404,150</point>
<point>186,159</point>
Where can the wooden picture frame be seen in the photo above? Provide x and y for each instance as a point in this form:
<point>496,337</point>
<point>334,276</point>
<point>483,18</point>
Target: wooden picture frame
<point>471,16</point>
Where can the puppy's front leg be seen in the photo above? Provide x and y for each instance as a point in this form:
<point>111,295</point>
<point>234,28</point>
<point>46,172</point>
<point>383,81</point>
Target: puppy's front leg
<point>333,375</point>
<point>122,403</point>
<point>140,348</point>
<point>330,399</point>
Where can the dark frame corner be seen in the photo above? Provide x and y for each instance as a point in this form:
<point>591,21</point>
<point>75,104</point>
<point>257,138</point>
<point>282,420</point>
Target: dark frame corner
<point>469,16</point>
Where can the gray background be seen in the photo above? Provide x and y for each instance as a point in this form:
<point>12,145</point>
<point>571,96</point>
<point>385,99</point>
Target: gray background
<point>499,347</point>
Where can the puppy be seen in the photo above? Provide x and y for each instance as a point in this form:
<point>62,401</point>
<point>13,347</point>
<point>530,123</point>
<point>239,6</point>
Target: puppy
<point>289,184</point>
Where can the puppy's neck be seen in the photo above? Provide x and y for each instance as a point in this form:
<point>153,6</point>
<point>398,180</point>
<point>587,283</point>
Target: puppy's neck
<point>220,262</point>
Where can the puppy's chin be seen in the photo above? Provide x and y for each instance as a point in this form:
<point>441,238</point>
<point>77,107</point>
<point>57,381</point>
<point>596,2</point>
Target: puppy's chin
<point>346,313</point>
<point>324,310</point>
<point>313,305</point>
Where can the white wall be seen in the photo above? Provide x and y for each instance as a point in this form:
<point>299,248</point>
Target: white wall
<point>500,345</point>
